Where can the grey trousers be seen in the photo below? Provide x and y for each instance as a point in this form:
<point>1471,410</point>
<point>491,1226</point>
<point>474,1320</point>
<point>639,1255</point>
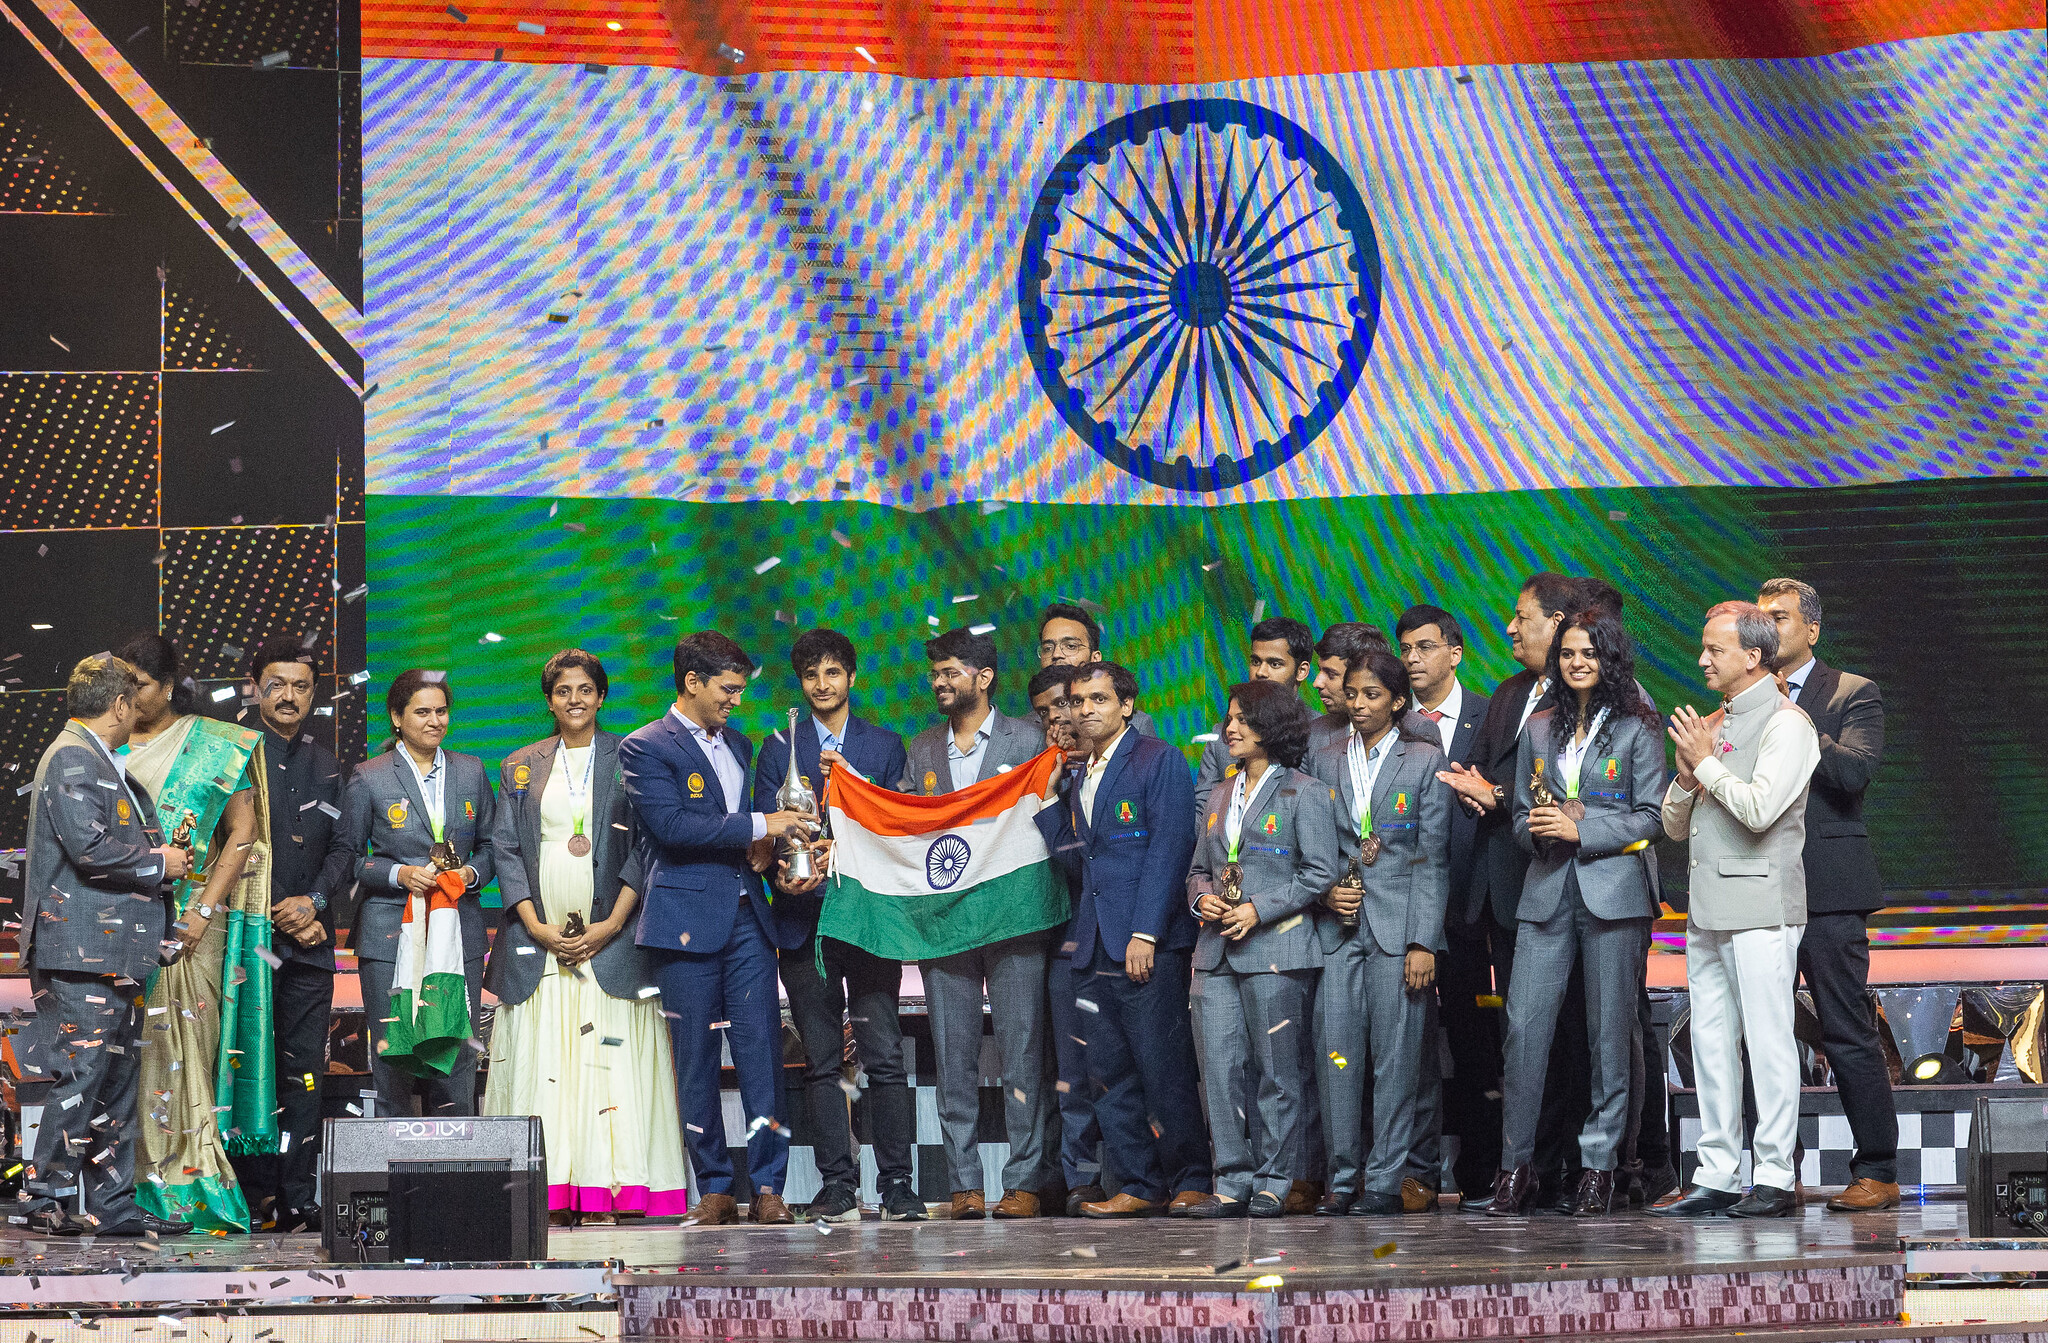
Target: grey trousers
<point>444,1097</point>
<point>90,1120</point>
<point>1366,1016</point>
<point>1013,973</point>
<point>1614,951</point>
<point>1254,1079</point>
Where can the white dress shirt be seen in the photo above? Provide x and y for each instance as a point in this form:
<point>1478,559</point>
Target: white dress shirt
<point>1453,705</point>
<point>1795,680</point>
<point>725,765</point>
<point>1093,777</point>
<point>1365,772</point>
<point>1535,695</point>
<point>965,766</point>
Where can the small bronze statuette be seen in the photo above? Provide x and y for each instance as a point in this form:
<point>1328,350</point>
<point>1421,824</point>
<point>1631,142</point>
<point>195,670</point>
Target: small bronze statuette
<point>181,838</point>
<point>442,856</point>
<point>1353,880</point>
<point>1231,890</point>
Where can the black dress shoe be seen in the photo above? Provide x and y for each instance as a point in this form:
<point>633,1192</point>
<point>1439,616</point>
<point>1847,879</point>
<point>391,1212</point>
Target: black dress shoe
<point>56,1222</point>
<point>147,1224</point>
<point>1476,1205</point>
<point>1370,1204</point>
<point>1087,1193</point>
<point>1767,1201</point>
<point>1699,1202</point>
<point>1265,1204</point>
<point>1513,1192</point>
<point>1595,1195</point>
<point>1335,1203</point>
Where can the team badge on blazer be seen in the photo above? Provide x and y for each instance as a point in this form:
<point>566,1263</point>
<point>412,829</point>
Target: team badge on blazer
<point>696,782</point>
<point>123,810</point>
<point>1123,811</point>
<point>931,782</point>
<point>1271,825</point>
<point>1400,804</point>
<point>1612,769</point>
<point>468,810</point>
<point>395,814</point>
<point>521,776</point>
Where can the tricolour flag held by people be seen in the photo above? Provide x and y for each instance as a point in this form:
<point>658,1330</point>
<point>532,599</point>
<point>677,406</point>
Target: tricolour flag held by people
<point>915,878</point>
<point>429,996</point>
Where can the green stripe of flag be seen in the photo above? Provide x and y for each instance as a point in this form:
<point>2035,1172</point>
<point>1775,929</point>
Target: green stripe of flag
<point>944,923</point>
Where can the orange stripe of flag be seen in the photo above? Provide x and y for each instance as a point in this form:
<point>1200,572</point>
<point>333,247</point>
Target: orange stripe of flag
<point>884,812</point>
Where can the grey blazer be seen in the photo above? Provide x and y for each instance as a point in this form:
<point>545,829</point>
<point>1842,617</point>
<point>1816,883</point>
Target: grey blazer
<point>1620,810</point>
<point>1409,887</point>
<point>386,822</point>
<point>516,963</point>
<point>1011,742</point>
<point>1288,858</point>
<point>94,900</point>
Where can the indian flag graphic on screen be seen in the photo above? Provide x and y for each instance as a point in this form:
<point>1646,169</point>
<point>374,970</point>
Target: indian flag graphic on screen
<point>916,878</point>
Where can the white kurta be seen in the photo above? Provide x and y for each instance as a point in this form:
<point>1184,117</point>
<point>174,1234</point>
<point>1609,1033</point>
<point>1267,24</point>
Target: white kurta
<point>595,1068</point>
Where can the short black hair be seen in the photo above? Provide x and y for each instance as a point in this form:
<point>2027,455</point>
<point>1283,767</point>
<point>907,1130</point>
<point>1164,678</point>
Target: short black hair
<point>96,682</point>
<point>1415,617</point>
<point>1556,593</point>
<point>814,646</point>
<point>410,682</point>
<point>1275,712</point>
<point>709,653</point>
<point>1045,678</point>
<point>973,650</point>
<point>283,648</point>
<point>574,657</point>
<point>1121,679</point>
<point>1808,595</point>
<point>155,656</point>
<point>1390,672</point>
<point>1301,640</point>
<point>1350,641</point>
<point>1597,592</point>
<point>1079,615</point>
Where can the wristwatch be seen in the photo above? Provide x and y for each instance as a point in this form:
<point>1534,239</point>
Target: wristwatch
<point>319,901</point>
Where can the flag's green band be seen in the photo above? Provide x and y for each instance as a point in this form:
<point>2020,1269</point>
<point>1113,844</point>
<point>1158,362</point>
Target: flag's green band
<point>944,923</point>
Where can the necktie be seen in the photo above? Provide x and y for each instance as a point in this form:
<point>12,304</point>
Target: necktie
<point>1433,715</point>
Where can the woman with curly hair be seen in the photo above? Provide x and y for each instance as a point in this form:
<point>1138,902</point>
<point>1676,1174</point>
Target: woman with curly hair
<point>1590,784</point>
<point>1266,852</point>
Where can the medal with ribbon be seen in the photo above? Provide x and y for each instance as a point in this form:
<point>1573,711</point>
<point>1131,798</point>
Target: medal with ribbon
<point>579,799</point>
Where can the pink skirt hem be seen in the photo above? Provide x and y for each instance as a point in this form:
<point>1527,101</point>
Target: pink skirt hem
<point>627,1198</point>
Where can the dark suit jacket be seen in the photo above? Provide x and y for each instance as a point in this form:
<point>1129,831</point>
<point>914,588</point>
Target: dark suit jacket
<point>1011,742</point>
<point>875,751</point>
<point>1464,847</point>
<point>386,820</point>
<point>693,849</point>
<point>516,963</point>
<point>94,900</point>
<point>1132,862</point>
<point>1841,869</point>
<point>1498,862</point>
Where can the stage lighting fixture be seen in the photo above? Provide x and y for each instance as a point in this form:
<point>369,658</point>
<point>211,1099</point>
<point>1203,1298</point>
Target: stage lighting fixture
<point>1935,1070</point>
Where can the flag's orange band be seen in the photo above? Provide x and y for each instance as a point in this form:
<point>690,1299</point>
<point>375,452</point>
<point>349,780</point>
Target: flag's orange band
<point>884,812</point>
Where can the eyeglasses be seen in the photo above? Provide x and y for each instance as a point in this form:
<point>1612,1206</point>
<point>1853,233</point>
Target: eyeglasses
<point>1063,645</point>
<point>1427,648</point>
<point>951,674</point>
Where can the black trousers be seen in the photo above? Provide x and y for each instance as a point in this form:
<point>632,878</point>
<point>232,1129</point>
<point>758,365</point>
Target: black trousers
<point>1471,1107</point>
<point>1834,958</point>
<point>88,1043</point>
<point>864,987</point>
<point>302,1004</point>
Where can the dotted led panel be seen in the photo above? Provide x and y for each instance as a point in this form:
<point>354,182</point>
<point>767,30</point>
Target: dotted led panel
<point>80,450</point>
<point>226,589</point>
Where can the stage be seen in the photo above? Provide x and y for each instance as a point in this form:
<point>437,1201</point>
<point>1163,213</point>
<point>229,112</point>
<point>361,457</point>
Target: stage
<point>1297,1280</point>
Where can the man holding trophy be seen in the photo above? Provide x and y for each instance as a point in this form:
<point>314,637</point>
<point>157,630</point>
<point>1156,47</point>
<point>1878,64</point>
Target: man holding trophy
<point>827,984</point>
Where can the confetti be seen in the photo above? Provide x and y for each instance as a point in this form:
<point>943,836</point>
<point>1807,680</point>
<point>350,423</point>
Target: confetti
<point>491,637</point>
<point>1080,1252</point>
<point>1383,1251</point>
<point>840,537</point>
<point>534,29</point>
<point>1258,610</point>
<point>60,345</point>
<point>1228,1267</point>
<point>457,15</point>
<point>1266,1283</point>
<point>731,53</point>
<point>1282,1026</point>
<point>862,52</point>
<point>1212,564</point>
<point>1085,1005</point>
<point>765,565</point>
<point>223,694</point>
<point>1339,1059</point>
<point>276,60</point>
<point>218,427</point>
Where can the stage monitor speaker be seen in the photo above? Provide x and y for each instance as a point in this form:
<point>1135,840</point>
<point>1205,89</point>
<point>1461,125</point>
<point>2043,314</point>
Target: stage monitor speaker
<point>2007,1179</point>
<point>446,1190</point>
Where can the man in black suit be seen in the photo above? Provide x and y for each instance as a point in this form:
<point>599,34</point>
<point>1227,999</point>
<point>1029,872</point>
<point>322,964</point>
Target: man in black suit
<point>311,874</point>
<point>1069,636</point>
<point>1842,888</point>
<point>1432,645</point>
<point>854,983</point>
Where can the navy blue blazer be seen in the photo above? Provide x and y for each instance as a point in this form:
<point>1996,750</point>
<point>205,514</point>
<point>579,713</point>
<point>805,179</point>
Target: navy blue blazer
<point>1132,864</point>
<point>694,849</point>
<point>875,751</point>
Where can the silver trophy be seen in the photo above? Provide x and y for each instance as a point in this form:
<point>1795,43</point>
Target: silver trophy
<point>796,795</point>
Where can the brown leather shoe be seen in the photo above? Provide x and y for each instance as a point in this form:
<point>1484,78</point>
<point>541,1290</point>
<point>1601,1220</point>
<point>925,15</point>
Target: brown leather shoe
<point>1513,1192</point>
<point>969,1205</point>
<point>1595,1195</point>
<point>713,1210</point>
<point>1302,1197</point>
<point>1123,1205</point>
<point>1187,1199</point>
<point>1016,1204</point>
<point>769,1210</point>
<point>1865,1195</point>
<point>1416,1196</point>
